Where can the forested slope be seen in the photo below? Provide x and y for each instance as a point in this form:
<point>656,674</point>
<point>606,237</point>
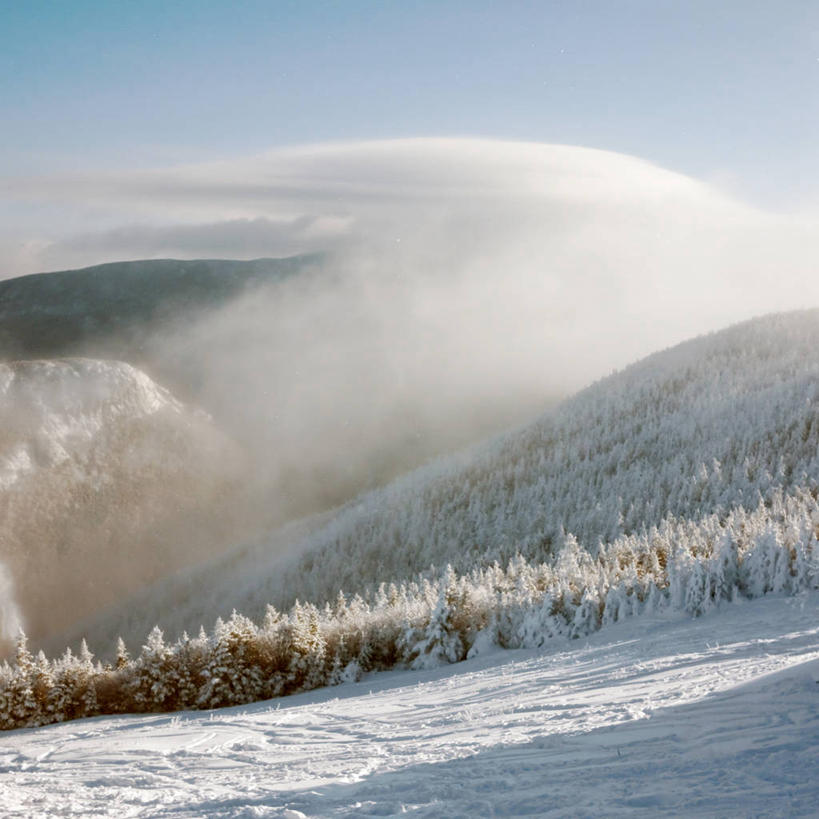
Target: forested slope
<point>715,424</point>
<point>108,311</point>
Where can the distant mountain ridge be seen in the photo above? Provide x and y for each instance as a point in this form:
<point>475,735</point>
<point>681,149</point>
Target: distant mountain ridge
<point>109,310</point>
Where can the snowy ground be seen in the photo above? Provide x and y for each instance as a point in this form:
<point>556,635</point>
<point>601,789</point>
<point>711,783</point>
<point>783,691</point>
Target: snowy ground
<point>715,716</point>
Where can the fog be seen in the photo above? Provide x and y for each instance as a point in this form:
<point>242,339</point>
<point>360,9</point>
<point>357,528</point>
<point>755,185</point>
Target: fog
<point>466,286</point>
<point>106,484</point>
<point>469,285</point>
<point>10,617</point>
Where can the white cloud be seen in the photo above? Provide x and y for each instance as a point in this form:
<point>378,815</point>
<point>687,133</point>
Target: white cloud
<point>243,238</point>
<point>471,267</point>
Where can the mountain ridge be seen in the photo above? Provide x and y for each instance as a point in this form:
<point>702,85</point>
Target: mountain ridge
<point>107,310</point>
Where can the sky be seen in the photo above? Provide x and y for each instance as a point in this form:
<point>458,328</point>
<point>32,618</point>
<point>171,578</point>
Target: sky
<point>136,130</point>
<point>725,91</point>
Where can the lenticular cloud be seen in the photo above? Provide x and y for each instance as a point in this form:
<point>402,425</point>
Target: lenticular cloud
<point>596,255</point>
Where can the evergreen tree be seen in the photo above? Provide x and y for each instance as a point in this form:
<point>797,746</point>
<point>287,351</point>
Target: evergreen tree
<point>441,642</point>
<point>153,680</point>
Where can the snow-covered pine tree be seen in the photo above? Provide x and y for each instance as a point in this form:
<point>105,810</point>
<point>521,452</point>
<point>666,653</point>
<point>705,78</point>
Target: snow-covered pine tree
<point>88,693</point>
<point>586,618</point>
<point>69,695</point>
<point>724,566</point>
<point>697,591</point>
<point>189,658</point>
<point>41,685</point>
<point>441,642</point>
<point>540,624</point>
<point>308,666</point>
<point>153,685</point>
<point>123,657</point>
<point>232,673</point>
<point>7,721</point>
<point>758,564</point>
<point>19,705</point>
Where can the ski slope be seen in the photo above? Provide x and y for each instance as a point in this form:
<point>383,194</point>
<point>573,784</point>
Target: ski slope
<point>713,716</point>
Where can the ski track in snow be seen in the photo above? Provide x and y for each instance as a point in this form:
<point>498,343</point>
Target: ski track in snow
<point>715,716</point>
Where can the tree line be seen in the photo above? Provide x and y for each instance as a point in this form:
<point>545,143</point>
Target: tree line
<point>442,617</point>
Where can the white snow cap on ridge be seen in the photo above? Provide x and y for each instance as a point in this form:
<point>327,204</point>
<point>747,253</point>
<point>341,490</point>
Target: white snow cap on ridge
<point>50,407</point>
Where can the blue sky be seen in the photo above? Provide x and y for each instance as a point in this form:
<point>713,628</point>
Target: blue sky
<point>725,91</point>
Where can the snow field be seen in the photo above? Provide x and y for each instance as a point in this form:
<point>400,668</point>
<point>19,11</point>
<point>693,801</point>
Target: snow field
<point>717,715</point>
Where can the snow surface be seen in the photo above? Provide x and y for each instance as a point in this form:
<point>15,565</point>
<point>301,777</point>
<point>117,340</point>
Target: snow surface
<point>713,716</point>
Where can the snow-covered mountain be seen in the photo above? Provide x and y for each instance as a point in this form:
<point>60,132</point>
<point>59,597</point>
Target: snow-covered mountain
<point>711,424</point>
<point>264,346</point>
<point>717,423</point>
<point>107,482</point>
<point>713,539</point>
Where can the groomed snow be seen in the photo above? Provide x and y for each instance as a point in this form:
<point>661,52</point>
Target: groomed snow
<point>713,716</point>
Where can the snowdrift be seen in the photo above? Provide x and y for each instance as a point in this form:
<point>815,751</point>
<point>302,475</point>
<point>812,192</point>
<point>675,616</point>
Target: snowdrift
<point>663,714</point>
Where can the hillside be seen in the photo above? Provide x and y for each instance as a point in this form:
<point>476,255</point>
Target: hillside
<point>119,310</point>
<point>107,482</point>
<point>264,347</point>
<point>716,424</point>
<point>740,402</point>
<point>108,311</point>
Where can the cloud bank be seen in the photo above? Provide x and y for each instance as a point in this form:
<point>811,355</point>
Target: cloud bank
<point>470,282</point>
